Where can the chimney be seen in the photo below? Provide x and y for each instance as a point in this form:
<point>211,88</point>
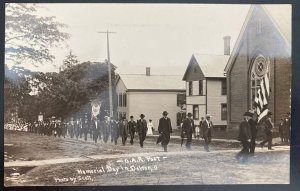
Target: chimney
<point>226,45</point>
<point>147,71</point>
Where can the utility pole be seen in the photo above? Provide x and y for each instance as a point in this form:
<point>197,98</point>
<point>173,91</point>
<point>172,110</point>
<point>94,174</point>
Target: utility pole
<point>109,75</point>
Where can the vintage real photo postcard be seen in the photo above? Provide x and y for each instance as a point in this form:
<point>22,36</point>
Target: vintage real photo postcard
<point>147,94</point>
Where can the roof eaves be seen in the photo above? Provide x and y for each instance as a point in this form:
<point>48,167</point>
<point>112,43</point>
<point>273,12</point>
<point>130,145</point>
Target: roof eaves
<point>239,40</point>
<point>188,67</point>
<point>277,27</point>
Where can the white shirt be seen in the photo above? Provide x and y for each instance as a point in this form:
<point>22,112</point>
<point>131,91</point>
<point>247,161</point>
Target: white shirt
<point>208,123</point>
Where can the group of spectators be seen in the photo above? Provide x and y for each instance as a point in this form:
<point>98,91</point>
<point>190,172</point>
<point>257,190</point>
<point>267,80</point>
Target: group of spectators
<point>285,128</point>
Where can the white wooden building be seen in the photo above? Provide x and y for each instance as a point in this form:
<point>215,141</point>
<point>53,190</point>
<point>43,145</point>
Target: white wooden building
<point>206,87</point>
<point>149,95</point>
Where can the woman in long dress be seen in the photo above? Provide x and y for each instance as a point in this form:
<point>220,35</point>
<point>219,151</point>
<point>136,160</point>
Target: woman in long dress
<point>150,127</point>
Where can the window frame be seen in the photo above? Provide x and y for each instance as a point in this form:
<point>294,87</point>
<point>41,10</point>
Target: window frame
<point>190,88</point>
<point>224,87</point>
<point>224,113</point>
<point>195,115</point>
<point>201,92</point>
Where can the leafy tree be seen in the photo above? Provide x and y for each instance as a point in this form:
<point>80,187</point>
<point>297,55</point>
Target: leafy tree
<point>28,37</point>
<point>70,92</point>
<point>17,93</point>
<point>70,60</point>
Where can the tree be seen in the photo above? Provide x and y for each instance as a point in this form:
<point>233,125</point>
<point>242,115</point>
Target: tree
<point>70,60</point>
<point>69,92</point>
<point>28,37</point>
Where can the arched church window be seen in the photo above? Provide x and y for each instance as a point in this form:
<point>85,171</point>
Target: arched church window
<point>259,68</point>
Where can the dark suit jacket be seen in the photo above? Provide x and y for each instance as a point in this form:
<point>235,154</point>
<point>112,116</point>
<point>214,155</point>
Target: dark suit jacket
<point>253,127</point>
<point>141,126</point>
<point>132,126</point>
<point>164,126</point>
<point>204,128</point>
<point>124,128</point>
<point>244,131</point>
<point>188,126</point>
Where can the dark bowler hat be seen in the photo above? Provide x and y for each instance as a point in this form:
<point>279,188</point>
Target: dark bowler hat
<point>131,117</point>
<point>247,113</point>
<point>165,113</point>
<point>142,115</point>
<point>189,114</point>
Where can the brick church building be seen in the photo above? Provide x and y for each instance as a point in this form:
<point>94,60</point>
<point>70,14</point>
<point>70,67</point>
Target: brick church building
<point>263,46</point>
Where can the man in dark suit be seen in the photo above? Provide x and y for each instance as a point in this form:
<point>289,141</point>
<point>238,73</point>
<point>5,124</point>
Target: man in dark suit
<point>188,129</point>
<point>123,125</point>
<point>253,129</point>
<point>207,129</point>
<point>287,127</point>
<point>268,127</point>
<point>244,136</point>
<point>165,129</point>
<point>105,128</point>
<point>132,128</point>
<point>115,131</point>
<point>142,129</point>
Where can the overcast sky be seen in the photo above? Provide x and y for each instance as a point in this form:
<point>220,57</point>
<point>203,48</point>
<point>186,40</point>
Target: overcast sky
<point>161,36</point>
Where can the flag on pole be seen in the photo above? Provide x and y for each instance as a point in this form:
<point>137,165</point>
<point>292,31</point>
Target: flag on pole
<point>262,96</point>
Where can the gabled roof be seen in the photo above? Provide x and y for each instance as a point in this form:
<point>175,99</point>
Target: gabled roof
<point>153,82</point>
<point>282,22</point>
<point>211,66</point>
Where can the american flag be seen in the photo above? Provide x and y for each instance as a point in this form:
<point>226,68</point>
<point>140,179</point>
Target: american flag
<point>261,99</point>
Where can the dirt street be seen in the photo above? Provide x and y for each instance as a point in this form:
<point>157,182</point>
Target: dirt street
<point>109,164</point>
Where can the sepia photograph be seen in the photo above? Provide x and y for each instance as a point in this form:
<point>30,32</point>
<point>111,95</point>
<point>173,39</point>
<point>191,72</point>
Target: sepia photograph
<point>120,94</point>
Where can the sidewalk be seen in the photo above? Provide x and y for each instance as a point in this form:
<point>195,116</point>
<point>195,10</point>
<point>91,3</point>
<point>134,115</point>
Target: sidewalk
<point>217,140</point>
<point>141,154</point>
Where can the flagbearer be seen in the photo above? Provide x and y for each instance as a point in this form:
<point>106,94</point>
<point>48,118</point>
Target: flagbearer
<point>268,126</point>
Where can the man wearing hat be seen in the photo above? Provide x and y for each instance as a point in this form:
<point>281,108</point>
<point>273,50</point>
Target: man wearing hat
<point>105,128</point>
<point>142,129</point>
<point>207,128</point>
<point>287,127</point>
<point>253,129</point>
<point>132,127</point>
<point>244,136</point>
<point>123,125</point>
<point>268,125</point>
<point>115,130</point>
<point>165,129</point>
<point>281,127</point>
<point>96,127</point>
<point>188,128</point>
